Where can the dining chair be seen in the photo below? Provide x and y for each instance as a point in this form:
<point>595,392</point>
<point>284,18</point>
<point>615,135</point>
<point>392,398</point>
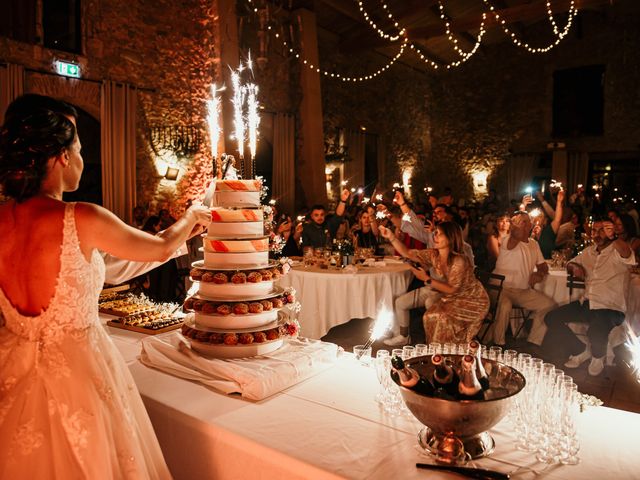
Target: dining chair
<point>492,283</point>
<point>617,336</point>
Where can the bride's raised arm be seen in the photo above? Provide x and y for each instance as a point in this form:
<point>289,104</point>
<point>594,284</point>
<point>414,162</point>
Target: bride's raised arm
<point>101,229</point>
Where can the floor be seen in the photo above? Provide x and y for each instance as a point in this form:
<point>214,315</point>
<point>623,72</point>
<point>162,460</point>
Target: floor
<point>617,386</point>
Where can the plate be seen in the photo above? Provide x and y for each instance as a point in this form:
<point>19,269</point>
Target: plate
<point>200,264</point>
<point>235,291</point>
<point>190,321</point>
<point>276,292</point>
<point>250,321</point>
<point>236,351</point>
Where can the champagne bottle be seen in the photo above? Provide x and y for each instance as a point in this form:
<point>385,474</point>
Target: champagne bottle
<point>481,373</point>
<point>410,378</point>
<point>445,379</point>
<point>469,387</point>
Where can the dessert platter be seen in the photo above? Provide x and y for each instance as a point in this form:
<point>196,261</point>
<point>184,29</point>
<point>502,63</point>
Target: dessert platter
<point>139,313</point>
<point>238,311</point>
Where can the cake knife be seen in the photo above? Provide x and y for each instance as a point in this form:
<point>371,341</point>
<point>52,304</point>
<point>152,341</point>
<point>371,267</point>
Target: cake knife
<point>478,473</point>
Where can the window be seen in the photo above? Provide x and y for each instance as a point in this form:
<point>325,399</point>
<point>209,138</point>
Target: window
<point>18,20</point>
<point>578,101</point>
<point>61,25</point>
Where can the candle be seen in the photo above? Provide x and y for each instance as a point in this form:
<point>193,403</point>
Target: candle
<point>238,101</point>
<point>213,111</point>
<point>381,325</point>
<point>253,120</point>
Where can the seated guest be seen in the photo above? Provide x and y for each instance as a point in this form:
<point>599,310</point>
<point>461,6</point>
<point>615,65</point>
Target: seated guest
<point>605,268</point>
<point>414,226</point>
<point>320,231</point>
<point>625,228</point>
<point>457,314</point>
<point>291,238</point>
<point>495,239</point>
<point>520,261</point>
<point>139,217</point>
<point>550,230</point>
<point>446,198</point>
<point>343,231</point>
<point>395,216</point>
<point>364,236</point>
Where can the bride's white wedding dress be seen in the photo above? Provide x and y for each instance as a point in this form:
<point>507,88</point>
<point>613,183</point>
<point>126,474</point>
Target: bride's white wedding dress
<point>68,405</point>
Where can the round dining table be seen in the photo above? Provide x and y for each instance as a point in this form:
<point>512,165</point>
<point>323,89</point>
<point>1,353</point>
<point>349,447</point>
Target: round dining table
<point>331,297</point>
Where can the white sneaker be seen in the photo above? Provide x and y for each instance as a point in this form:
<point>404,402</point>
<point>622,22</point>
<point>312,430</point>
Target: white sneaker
<point>596,366</point>
<point>576,360</point>
<point>398,340</point>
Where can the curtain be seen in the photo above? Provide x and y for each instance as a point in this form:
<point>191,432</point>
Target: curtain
<point>354,167</point>
<point>11,86</point>
<point>118,148</point>
<point>577,170</point>
<point>284,143</point>
<point>520,168</point>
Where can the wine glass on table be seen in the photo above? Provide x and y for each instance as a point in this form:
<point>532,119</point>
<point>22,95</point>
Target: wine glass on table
<point>381,372</point>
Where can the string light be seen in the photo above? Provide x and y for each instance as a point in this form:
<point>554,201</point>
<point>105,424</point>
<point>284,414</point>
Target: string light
<point>344,78</point>
<point>382,33</point>
<point>573,10</point>
<point>454,41</point>
<point>338,76</point>
<point>426,60</point>
<point>402,34</point>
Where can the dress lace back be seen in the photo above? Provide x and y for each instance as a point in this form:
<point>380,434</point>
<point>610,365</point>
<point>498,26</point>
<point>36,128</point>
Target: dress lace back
<point>68,405</point>
<point>74,303</point>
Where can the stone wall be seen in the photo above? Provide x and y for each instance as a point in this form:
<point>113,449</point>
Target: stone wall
<point>169,50</point>
<point>451,124</point>
<point>444,125</point>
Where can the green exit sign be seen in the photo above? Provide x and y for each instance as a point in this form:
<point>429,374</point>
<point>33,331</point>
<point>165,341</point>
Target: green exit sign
<point>67,69</point>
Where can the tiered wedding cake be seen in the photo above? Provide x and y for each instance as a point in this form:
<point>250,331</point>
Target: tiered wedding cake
<point>236,310</point>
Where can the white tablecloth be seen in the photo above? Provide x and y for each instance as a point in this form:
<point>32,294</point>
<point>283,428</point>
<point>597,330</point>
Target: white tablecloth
<point>330,427</point>
<point>333,297</point>
<point>555,286</point>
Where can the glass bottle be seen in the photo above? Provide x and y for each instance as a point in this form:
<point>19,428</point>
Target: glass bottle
<point>469,387</point>
<point>445,380</point>
<point>410,378</point>
<point>481,373</point>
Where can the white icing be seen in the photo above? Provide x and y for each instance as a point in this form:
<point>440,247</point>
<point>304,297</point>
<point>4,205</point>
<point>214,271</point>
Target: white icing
<point>234,322</point>
<point>235,291</point>
<point>240,260</point>
<point>235,230</point>
<point>237,199</point>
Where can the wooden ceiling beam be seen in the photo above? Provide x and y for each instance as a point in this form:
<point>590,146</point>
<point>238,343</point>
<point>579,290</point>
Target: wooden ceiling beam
<point>520,13</point>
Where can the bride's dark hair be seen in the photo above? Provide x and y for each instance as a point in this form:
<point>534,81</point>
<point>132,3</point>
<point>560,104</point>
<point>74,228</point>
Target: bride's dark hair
<point>36,128</point>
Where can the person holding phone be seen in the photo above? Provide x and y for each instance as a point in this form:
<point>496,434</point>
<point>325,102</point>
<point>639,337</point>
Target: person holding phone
<point>604,266</point>
<point>457,313</point>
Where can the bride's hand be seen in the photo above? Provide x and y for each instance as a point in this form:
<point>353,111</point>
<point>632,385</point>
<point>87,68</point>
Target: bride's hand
<point>200,214</point>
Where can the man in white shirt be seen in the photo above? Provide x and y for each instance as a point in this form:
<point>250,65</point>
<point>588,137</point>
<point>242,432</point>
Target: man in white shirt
<point>605,268</point>
<point>522,264</point>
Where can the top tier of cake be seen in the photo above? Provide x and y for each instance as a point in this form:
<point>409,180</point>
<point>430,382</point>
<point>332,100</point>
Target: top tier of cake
<point>237,193</point>
<point>235,235</point>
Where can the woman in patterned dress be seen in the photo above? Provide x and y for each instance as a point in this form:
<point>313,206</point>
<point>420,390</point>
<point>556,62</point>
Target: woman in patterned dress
<point>457,316</point>
<point>68,405</point>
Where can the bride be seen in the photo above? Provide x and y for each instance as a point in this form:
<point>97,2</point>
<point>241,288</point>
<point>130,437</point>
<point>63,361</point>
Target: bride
<point>68,404</point>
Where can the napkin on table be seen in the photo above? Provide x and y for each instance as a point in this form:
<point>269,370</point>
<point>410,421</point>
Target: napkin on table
<point>254,378</point>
